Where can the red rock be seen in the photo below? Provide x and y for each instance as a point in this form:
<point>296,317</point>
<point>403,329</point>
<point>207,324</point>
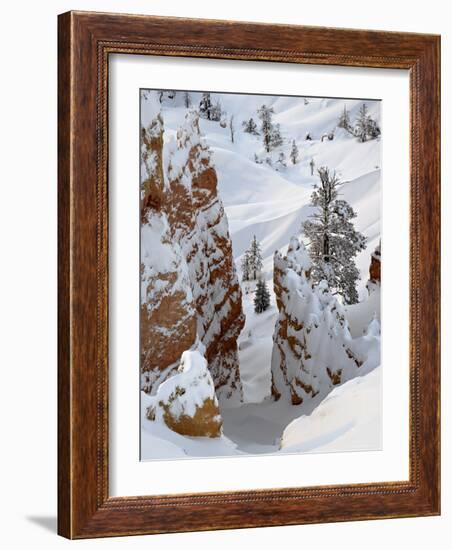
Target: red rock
<point>201,297</point>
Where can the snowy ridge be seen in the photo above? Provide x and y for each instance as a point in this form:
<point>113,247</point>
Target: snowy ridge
<point>348,419</point>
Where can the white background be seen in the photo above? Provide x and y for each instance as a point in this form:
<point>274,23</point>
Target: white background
<point>128,476</point>
<point>28,272</point>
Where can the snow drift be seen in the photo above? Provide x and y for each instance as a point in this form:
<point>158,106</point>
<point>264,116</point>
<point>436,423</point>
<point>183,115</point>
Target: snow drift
<point>348,419</point>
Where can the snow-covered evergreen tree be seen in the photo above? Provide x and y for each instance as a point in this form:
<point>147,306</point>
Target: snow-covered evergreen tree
<point>255,259</point>
<point>276,137</point>
<point>333,239</point>
<point>344,120</point>
<point>261,297</point>
<point>250,127</point>
<point>294,153</point>
<point>366,127</point>
<point>205,106</point>
<point>271,133</point>
<point>208,109</point>
<point>246,266</point>
<point>362,123</point>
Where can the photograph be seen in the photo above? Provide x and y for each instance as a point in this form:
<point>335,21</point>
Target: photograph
<point>259,275</point>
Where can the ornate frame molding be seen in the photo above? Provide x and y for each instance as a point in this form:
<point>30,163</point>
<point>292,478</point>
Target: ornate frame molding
<point>85,42</point>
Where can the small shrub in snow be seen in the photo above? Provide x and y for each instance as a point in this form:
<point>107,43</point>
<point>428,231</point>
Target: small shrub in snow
<point>271,133</point>
<point>257,160</point>
<point>344,121</point>
<point>294,153</point>
<point>281,162</point>
<point>312,166</point>
<point>250,127</point>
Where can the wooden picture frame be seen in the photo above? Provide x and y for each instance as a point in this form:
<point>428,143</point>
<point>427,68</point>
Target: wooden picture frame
<point>85,42</point>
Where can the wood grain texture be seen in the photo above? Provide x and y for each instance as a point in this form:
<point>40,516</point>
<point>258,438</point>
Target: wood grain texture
<point>85,42</point>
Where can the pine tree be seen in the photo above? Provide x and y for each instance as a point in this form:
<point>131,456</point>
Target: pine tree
<point>246,266</point>
<point>362,122</point>
<point>333,239</point>
<point>255,258</point>
<point>261,297</point>
<point>265,114</point>
<point>205,106</point>
<point>250,127</point>
<point>344,120</point>
<point>366,127</point>
<point>276,139</point>
<point>209,110</point>
<point>294,153</point>
<point>271,133</point>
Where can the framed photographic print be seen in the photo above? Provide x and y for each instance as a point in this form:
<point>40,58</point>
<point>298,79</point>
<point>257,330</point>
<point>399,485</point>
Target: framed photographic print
<point>248,275</point>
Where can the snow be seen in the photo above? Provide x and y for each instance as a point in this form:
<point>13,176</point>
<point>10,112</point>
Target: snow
<point>361,314</point>
<point>348,419</point>
<point>272,204</point>
<point>313,347</point>
<point>160,442</point>
<point>186,390</point>
<point>255,348</point>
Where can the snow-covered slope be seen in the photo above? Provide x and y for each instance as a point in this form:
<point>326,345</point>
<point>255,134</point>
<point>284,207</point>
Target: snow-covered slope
<point>349,419</point>
<point>271,204</point>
